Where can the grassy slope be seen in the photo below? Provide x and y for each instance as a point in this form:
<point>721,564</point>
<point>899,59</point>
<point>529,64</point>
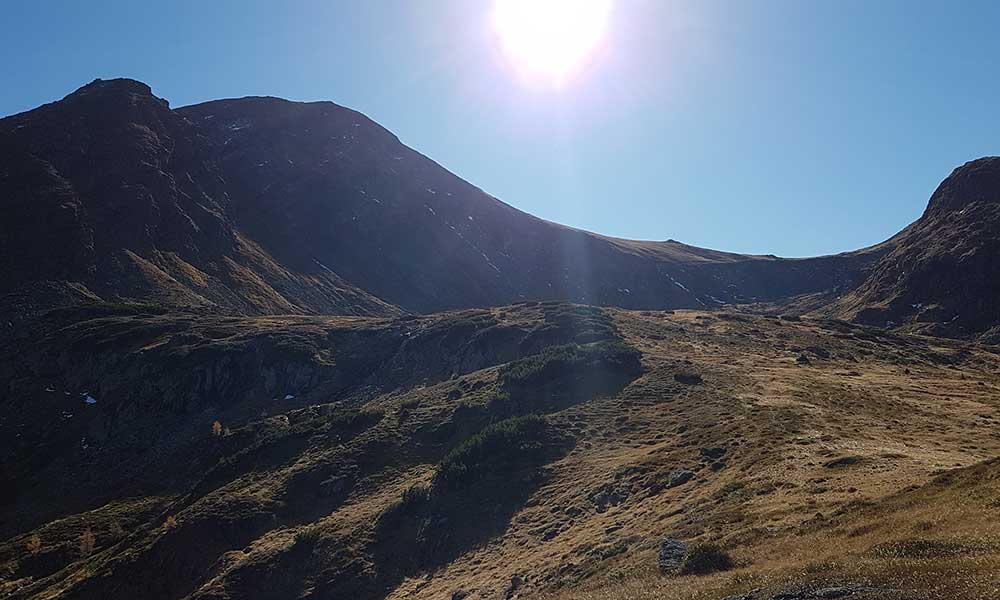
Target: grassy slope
<point>297,513</point>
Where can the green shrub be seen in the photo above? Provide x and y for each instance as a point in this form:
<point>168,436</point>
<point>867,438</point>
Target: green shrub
<point>558,360</point>
<point>414,496</point>
<point>307,537</point>
<point>504,445</point>
<point>702,559</point>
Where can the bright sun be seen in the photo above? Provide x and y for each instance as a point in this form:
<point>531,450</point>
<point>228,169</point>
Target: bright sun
<point>551,39</point>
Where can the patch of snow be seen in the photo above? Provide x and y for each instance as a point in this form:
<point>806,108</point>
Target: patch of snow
<point>50,390</point>
<point>431,210</point>
<point>207,117</point>
<point>489,262</point>
<point>89,399</point>
<point>677,283</point>
<point>431,191</point>
<point>324,267</point>
<point>289,396</point>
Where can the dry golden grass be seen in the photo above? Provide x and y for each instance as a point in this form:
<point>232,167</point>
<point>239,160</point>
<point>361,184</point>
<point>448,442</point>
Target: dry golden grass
<point>838,469</point>
<point>894,408</point>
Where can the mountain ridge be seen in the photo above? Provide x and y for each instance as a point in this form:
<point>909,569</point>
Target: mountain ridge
<point>303,192</point>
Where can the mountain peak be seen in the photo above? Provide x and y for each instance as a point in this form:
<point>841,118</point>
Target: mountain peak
<point>975,181</point>
<point>113,87</point>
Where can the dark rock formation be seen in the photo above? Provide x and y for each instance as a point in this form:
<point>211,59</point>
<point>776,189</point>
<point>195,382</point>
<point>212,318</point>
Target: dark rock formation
<point>943,275</point>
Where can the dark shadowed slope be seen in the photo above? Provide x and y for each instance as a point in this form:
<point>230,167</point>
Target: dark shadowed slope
<point>112,189</point>
<point>315,182</point>
<point>264,206</point>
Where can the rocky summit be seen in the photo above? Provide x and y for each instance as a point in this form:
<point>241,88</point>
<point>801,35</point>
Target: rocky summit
<point>941,276</point>
<point>256,348</point>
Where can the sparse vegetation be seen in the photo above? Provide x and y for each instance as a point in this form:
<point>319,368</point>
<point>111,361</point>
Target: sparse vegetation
<point>217,429</point>
<point>504,445</point>
<point>927,549</point>
<point>705,558</point>
<point>34,544</point>
<point>555,361</point>
<point>307,537</point>
<point>413,496</point>
<point>507,491</point>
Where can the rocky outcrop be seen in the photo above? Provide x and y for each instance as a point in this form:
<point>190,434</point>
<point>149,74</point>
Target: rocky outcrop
<point>943,275</point>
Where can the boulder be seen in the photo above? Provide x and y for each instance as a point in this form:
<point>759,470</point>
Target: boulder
<point>671,556</point>
<point>688,378</point>
<point>680,477</point>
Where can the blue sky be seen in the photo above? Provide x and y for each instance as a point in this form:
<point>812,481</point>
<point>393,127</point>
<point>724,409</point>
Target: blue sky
<point>786,127</point>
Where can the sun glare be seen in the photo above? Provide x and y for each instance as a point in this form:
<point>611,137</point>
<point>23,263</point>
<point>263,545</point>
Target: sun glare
<point>551,39</point>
